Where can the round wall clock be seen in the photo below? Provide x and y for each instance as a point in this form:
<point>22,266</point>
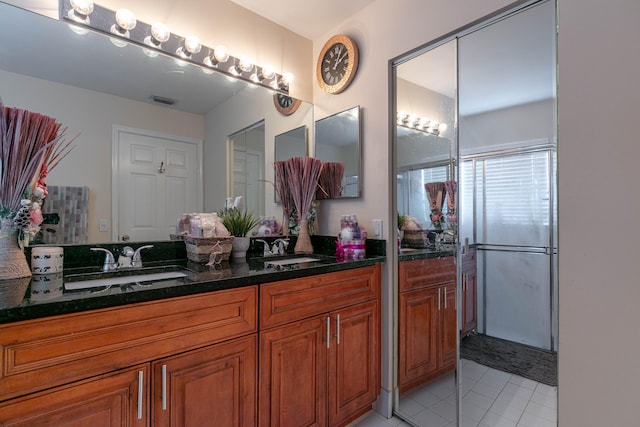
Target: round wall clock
<point>337,64</point>
<point>286,104</point>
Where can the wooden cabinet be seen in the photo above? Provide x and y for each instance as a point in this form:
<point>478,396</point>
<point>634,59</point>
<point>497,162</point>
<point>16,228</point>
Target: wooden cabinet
<point>469,293</point>
<point>215,383</point>
<point>69,360</point>
<point>116,400</point>
<point>319,348</point>
<point>427,338</point>
<point>201,359</point>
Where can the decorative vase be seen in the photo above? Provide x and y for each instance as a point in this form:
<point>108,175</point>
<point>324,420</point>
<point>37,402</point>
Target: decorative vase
<point>239,247</point>
<point>13,263</point>
<point>303,244</point>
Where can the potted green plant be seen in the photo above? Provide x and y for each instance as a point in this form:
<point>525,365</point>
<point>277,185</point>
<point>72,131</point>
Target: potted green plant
<point>239,224</point>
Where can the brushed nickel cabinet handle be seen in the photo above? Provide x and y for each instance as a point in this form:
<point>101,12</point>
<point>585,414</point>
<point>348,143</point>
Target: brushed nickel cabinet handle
<point>445,298</point>
<point>328,331</point>
<point>439,289</point>
<point>338,328</point>
<point>140,391</point>
<point>164,387</point>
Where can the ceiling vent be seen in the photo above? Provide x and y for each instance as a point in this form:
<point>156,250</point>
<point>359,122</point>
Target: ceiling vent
<point>162,100</point>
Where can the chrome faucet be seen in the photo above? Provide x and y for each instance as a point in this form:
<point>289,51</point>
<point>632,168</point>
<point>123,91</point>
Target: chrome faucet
<point>128,258</point>
<point>265,251</point>
<point>280,246</point>
<point>109,261</point>
<point>136,260</point>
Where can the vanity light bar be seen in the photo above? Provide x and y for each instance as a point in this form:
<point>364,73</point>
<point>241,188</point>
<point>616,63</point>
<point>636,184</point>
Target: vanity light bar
<point>186,49</point>
<point>422,124</point>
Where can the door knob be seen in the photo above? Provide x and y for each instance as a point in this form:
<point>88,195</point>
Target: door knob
<point>125,238</point>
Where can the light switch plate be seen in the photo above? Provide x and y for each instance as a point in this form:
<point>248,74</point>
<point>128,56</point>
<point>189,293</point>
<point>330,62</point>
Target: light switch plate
<point>104,225</point>
<point>377,228</point>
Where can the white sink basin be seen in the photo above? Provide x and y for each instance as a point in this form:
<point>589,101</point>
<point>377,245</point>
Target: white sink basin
<point>110,281</point>
<point>289,261</point>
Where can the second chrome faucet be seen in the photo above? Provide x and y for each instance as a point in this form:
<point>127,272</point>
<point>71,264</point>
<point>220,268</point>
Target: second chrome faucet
<point>128,258</point>
<point>279,247</point>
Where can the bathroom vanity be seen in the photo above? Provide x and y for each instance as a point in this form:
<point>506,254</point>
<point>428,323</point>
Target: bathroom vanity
<point>242,346</point>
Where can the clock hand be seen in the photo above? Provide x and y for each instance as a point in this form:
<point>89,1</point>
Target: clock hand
<point>340,58</point>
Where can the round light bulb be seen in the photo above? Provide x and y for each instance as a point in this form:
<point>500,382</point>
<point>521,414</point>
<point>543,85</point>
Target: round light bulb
<point>125,19</point>
<point>192,44</point>
<point>160,32</point>
<point>82,7</point>
<point>442,127</point>
<point>267,72</point>
<point>246,64</point>
<point>221,54</point>
<point>287,78</point>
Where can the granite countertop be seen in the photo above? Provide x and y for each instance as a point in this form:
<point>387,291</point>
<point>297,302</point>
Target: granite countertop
<point>33,298</point>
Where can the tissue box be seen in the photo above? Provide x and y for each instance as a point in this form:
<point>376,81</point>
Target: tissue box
<point>199,249</point>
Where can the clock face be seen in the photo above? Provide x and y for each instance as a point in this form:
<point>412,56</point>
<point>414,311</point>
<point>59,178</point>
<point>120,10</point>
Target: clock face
<point>286,104</point>
<point>335,64</point>
<point>284,100</point>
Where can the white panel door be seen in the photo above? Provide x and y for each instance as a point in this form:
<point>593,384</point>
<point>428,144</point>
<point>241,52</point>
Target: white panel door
<point>158,179</point>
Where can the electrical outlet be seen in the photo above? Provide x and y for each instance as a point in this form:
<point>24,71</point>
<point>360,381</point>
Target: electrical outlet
<point>104,225</point>
<point>377,228</point>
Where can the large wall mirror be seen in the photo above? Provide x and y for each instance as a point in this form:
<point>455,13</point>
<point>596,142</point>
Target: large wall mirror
<point>115,96</point>
<point>503,163</point>
<point>338,139</point>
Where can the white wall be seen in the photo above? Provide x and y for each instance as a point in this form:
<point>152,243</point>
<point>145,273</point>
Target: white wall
<point>90,116</point>
<point>598,154</point>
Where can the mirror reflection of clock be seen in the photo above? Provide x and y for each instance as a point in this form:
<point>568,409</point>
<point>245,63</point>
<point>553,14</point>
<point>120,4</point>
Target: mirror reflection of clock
<point>284,101</point>
<point>285,104</point>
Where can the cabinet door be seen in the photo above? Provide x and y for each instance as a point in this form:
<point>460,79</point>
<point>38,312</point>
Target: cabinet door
<point>469,300</point>
<point>293,374</point>
<point>418,339</point>
<point>448,327</point>
<point>216,384</point>
<point>354,361</point>
<point>109,401</point>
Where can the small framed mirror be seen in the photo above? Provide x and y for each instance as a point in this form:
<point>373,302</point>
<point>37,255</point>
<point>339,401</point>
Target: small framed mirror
<point>291,144</point>
<point>338,140</point>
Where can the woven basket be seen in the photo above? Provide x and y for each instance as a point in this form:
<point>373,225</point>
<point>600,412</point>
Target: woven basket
<point>199,249</point>
<point>13,262</point>
<point>416,238</point>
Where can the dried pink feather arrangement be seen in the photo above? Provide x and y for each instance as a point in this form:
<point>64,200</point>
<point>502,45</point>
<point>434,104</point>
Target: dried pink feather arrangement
<point>31,145</point>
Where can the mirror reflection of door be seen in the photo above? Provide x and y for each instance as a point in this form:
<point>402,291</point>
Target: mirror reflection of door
<point>246,150</point>
<point>506,277</point>
<point>156,180</point>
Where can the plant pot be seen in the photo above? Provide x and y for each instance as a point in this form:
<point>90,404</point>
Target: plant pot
<point>239,247</point>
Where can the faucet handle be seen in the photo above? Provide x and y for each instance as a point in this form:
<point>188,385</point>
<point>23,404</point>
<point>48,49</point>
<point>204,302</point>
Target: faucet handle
<point>136,260</point>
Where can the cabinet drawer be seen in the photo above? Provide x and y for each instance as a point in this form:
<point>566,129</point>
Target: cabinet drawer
<point>291,300</point>
<point>421,273</point>
<point>38,354</point>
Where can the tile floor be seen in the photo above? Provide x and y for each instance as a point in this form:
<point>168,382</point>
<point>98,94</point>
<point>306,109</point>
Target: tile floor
<point>491,398</point>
